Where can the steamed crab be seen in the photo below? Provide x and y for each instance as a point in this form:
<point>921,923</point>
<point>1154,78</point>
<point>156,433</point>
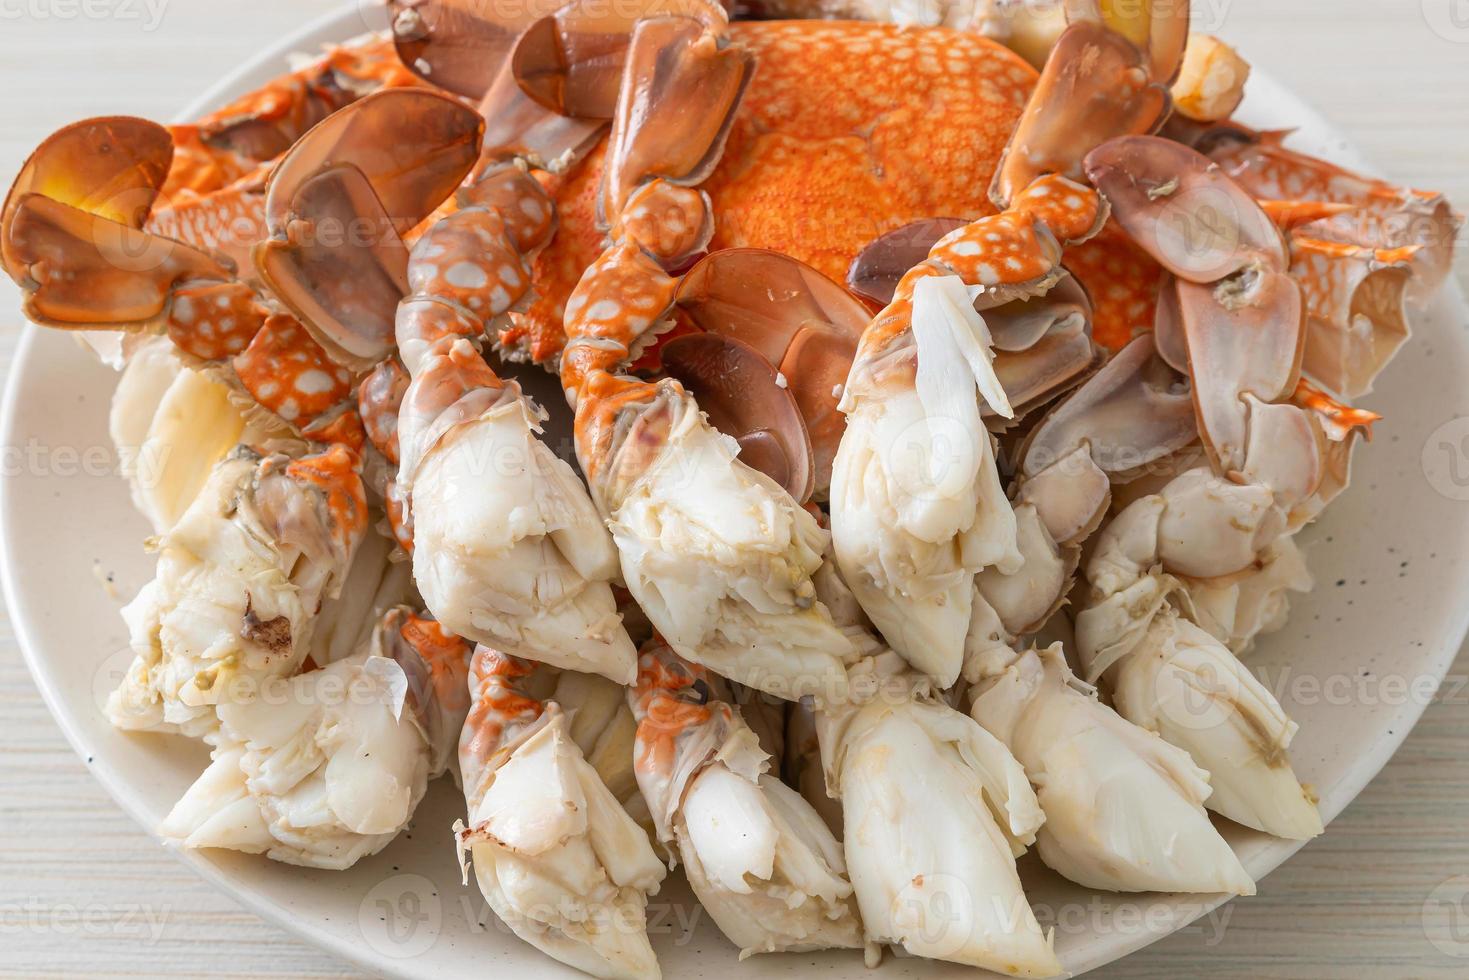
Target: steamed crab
<point>874,339</point>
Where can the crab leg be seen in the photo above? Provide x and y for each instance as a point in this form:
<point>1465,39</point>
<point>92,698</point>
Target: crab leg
<point>555,854</point>
<point>327,767</point>
<point>1123,807</point>
<point>759,857</point>
<point>507,548</point>
<point>936,810</point>
<point>239,582</point>
<point>718,555</point>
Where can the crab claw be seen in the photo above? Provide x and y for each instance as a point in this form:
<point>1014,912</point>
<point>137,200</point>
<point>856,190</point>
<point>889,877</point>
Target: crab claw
<point>83,271</point>
<point>681,86</point>
<point>339,201</point>
<point>744,398</point>
<point>457,45</point>
<point>1157,27</point>
<point>571,62</point>
<point>1132,412</point>
<point>1246,335</point>
<point>1124,809</point>
<point>523,561</point>
<point>111,167</point>
<point>1177,205</point>
<point>555,854</point>
<point>1095,86</point>
<point>800,321</point>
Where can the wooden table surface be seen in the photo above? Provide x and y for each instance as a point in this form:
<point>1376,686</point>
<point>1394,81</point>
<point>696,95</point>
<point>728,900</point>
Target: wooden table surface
<point>85,891</point>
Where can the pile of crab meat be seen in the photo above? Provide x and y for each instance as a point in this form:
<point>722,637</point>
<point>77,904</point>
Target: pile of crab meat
<point>830,458</point>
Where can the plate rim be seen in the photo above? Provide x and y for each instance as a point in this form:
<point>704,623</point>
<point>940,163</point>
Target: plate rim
<point>336,25</point>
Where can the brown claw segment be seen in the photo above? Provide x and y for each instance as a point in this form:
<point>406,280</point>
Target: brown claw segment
<point>680,89</point>
<point>1245,336</point>
<point>1168,335</point>
<point>338,264</point>
<point>1049,345</point>
<point>83,271</point>
<point>379,397</point>
<point>799,321</point>
<point>516,126</point>
<point>1135,410</point>
<point>413,146</point>
<point>571,62</point>
<point>745,399</point>
<point>1095,86</point>
<point>458,45</point>
<point>1179,207</point>
<point>288,373</point>
<point>876,270</point>
<point>111,167</point>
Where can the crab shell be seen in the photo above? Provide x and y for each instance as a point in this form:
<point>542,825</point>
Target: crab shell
<point>847,131</point>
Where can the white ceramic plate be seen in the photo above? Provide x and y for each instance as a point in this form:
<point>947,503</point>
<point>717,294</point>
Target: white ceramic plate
<point>1352,667</point>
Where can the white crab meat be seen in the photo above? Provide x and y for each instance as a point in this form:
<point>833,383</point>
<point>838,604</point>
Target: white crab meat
<point>319,770</point>
<point>1124,809</point>
<point>509,551</point>
<point>171,425</point>
<point>239,581</point>
<point>556,856</point>
<point>917,508</point>
<point>936,811</point>
<point>759,858</point>
<point>720,558</point>
<point>1185,685</point>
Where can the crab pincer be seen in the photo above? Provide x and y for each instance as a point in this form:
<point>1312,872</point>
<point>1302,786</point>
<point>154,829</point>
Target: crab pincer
<point>554,852</point>
<point>757,854</point>
<point>240,580</point>
<point>717,554</point>
<point>520,561</point>
<point>327,767</point>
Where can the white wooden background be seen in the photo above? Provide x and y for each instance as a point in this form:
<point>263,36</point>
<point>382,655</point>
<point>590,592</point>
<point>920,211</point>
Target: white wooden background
<point>84,891</point>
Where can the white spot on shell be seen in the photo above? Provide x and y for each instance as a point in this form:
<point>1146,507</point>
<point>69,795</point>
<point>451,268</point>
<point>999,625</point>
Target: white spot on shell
<point>466,275</point>
<point>605,309</point>
<point>313,382</point>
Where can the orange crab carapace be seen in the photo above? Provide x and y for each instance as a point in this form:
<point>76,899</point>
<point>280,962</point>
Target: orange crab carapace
<point>848,130</point>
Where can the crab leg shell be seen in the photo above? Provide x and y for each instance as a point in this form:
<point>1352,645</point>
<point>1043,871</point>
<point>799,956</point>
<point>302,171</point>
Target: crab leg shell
<point>1383,215</point>
<point>112,167</point>
<point>680,90</point>
<point>1176,204</point>
<point>1095,86</point>
<point>1356,316</point>
<point>458,45</point>
<point>83,271</point>
<point>744,397</point>
<point>802,323</point>
<point>572,61</point>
